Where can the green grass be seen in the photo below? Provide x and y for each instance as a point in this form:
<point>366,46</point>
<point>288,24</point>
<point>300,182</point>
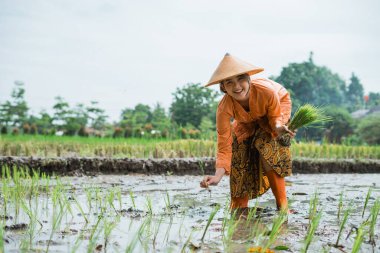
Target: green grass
<point>62,146</point>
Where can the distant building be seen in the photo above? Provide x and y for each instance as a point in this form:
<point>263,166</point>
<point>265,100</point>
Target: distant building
<point>365,112</point>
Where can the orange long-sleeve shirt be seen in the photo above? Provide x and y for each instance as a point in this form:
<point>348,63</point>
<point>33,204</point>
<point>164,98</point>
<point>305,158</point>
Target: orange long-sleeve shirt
<point>269,104</point>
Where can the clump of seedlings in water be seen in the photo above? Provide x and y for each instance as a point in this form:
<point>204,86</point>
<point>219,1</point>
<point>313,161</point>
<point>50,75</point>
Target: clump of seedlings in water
<point>366,200</point>
<point>359,239</point>
<point>212,215</point>
<point>346,213</point>
<point>374,215</point>
<point>132,199</point>
<point>314,219</point>
<point>278,221</point>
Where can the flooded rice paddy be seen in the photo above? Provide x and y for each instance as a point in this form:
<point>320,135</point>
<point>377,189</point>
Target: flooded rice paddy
<point>140,213</point>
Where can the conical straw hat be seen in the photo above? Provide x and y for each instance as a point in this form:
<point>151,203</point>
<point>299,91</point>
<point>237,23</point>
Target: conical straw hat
<point>231,66</point>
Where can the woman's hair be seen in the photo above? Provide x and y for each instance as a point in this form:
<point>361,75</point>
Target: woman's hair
<point>221,85</point>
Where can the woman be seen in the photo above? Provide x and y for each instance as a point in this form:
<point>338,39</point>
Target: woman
<point>248,150</point>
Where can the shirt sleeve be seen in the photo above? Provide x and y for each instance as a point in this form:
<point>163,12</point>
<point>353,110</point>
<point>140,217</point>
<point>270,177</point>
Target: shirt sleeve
<point>224,134</point>
<point>274,110</point>
<point>286,107</point>
<point>285,101</point>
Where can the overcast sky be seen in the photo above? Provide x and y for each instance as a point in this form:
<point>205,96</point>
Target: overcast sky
<point>121,53</point>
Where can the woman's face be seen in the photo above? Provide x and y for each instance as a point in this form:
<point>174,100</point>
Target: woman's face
<point>237,87</point>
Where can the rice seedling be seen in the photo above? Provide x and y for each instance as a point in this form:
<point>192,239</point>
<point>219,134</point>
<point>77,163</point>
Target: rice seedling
<point>211,217</point>
<point>358,239</point>
<point>132,199</point>
<point>167,201</point>
<point>156,231</point>
<point>32,222</point>
<point>118,195</point>
<point>251,213</point>
<point>79,240</point>
<point>231,224</point>
<point>107,229</point>
<point>166,237</point>
<point>366,200</point>
<point>55,225</point>
<point>346,213</point>
<point>80,209</point>
<point>374,215</point>
<point>2,238</point>
<point>187,242</point>
<point>93,239</point>
<point>149,205</point>
<point>276,228</point>
<point>313,206</point>
<point>340,205</point>
<point>313,225</point>
<point>88,193</point>
<point>110,198</point>
<point>132,245</point>
<point>305,115</point>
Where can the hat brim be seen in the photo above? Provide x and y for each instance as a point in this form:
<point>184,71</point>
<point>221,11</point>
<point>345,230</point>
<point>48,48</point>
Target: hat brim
<point>252,72</point>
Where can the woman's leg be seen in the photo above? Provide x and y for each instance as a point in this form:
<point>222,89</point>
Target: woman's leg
<point>277,184</point>
<point>239,202</point>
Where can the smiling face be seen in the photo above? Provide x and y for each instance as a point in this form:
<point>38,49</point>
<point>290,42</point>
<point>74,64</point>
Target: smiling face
<point>237,87</point>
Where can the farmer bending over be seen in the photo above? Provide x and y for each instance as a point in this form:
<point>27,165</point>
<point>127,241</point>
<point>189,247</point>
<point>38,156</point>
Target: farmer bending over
<point>248,149</point>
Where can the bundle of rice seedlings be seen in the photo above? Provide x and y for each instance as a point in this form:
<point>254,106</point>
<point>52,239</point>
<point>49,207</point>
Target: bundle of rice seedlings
<point>305,115</point>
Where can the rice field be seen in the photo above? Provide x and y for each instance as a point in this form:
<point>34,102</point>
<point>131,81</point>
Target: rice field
<point>136,213</point>
<point>52,146</point>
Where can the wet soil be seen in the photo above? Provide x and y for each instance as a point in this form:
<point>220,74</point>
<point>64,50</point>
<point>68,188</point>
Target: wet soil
<point>178,224</point>
<point>75,166</point>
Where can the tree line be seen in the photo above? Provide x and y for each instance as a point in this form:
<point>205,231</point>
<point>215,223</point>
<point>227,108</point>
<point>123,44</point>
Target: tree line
<point>192,111</point>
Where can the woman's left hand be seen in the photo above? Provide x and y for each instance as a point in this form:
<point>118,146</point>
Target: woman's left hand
<point>281,130</point>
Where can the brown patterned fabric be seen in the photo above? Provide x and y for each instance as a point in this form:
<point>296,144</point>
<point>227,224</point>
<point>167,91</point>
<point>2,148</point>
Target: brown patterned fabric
<point>247,176</point>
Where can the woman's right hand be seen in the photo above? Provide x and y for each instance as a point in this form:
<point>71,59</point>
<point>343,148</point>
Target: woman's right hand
<point>212,180</point>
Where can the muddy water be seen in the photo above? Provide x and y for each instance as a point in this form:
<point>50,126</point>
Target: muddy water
<point>178,223</point>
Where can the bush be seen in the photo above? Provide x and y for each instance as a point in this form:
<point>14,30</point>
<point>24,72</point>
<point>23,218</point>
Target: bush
<point>128,132</point>
<point>83,132</point>
<point>4,130</point>
<point>118,132</point>
<point>26,128</point>
<point>33,129</point>
<point>369,129</point>
<point>15,131</point>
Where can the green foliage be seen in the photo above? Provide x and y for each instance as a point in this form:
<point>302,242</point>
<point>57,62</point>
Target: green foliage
<point>15,112</point>
<point>191,103</point>
<point>355,94</point>
<point>341,124</point>
<point>306,115</point>
<point>373,99</point>
<point>310,83</point>
<point>369,129</point>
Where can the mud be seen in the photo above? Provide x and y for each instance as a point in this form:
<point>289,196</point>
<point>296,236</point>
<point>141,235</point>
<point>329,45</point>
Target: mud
<point>177,226</point>
<point>75,166</point>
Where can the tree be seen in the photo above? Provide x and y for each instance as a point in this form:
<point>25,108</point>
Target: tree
<point>369,129</point>
<point>135,119</point>
<point>61,112</point>
<point>355,94</point>
<point>15,112</point>
<point>207,128</point>
<point>43,122</point>
<point>341,126</point>
<point>142,114</point>
<point>96,116</point>
<point>373,99</point>
<point>160,120</point>
<point>309,83</point>
<point>191,103</point>
<point>67,119</point>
